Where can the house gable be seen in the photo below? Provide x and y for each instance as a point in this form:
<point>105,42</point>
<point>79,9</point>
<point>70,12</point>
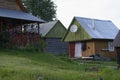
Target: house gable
<point>91,29</point>
<point>12,4</point>
<point>57,31</point>
<point>79,35</point>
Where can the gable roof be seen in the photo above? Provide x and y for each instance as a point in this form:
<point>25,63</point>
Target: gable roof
<point>116,41</point>
<point>93,29</point>
<point>52,29</point>
<point>46,27</point>
<point>98,29</point>
<point>14,14</point>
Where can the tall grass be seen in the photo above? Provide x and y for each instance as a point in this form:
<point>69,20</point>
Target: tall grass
<point>23,65</point>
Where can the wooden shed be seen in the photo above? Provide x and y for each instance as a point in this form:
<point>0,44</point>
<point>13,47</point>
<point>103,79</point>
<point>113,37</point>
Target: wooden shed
<point>88,37</point>
<point>53,33</point>
<point>12,16</point>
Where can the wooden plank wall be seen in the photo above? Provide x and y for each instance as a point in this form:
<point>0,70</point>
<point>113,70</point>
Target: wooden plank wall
<point>90,49</point>
<point>56,46</point>
<point>10,4</point>
<point>101,48</point>
<point>98,47</point>
<point>94,47</point>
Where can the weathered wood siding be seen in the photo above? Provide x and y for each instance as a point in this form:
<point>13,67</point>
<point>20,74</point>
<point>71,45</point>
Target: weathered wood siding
<point>94,47</point>
<point>56,46</point>
<point>101,47</point>
<point>79,35</point>
<point>10,4</point>
<point>90,49</point>
<point>58,31</point>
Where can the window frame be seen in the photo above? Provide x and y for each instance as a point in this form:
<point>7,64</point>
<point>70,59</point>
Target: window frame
<point>111,47</point>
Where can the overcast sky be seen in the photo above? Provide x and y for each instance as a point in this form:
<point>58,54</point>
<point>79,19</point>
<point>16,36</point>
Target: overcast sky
<point>98,9</point>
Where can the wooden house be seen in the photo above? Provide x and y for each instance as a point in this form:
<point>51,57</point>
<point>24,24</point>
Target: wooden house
<point>53,32</point>
<point>12,16</point>
<point>88,36</point>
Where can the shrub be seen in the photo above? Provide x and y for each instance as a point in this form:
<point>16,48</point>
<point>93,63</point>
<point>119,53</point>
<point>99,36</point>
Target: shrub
<point>4,39</point>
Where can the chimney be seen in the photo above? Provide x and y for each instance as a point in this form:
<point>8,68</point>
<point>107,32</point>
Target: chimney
<point>93,24</point>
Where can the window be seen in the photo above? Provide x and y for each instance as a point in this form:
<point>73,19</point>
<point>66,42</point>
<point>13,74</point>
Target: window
<point>110,46</point>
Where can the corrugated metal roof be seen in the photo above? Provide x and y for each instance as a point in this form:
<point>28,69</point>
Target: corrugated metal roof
<point>46,27</point>
<point>98,29</point>
<point>14,14</point>
<point>116,41</point>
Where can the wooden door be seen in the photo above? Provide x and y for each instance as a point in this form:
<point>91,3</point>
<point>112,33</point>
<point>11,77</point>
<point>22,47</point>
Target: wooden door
<point>71,49</point>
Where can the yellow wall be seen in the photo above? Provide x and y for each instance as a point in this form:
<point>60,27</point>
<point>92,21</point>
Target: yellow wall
<point>89,49</point>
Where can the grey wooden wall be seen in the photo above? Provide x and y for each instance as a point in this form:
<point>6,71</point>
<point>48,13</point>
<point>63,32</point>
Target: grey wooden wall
<point>56,46</point>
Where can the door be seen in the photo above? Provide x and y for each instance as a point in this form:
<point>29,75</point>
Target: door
<point>78,51</point>
<point>72,50</point>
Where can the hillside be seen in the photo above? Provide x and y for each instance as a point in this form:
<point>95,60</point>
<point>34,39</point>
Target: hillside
<point>23,65</point>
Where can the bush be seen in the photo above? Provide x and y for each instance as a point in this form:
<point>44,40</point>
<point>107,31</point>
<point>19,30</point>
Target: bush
<point>42,45</point>
<point>36,47</point>
<point>4,39</point>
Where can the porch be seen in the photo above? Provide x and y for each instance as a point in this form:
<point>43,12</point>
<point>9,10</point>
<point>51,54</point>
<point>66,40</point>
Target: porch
<point>12,22</point>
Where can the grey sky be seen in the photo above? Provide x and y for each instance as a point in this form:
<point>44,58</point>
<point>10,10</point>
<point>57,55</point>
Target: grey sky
<point>98,9</point>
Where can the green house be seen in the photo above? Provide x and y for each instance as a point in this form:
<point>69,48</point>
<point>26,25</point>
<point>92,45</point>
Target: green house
<point>53,33</point>
<point>87,37</point>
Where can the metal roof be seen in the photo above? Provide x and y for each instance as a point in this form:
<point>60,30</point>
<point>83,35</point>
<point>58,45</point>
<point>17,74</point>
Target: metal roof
<point>116,41</point>
<point>14,14</point>
<point>98,29</point>
<point>46,27</point>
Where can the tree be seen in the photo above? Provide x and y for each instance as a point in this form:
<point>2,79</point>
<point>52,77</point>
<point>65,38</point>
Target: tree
<point>44,9</point>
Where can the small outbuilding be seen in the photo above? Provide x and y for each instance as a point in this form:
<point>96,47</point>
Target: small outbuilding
<point>88,37</point>
<point>53,32</point>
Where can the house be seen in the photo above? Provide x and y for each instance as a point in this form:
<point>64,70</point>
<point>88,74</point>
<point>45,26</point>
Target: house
<point>53,32</point>
<point>12,16</point>
<point>88,37</point>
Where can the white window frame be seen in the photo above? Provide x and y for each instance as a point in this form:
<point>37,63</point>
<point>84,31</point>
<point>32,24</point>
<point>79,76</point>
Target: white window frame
<point>110,46</point>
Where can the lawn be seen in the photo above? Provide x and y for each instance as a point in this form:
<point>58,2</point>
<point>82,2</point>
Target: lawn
<point>24,65</point>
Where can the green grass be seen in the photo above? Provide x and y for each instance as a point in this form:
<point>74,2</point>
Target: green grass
<point>23,65</point>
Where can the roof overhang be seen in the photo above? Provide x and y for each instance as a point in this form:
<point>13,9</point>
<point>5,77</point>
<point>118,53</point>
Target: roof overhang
<point>19,15</point>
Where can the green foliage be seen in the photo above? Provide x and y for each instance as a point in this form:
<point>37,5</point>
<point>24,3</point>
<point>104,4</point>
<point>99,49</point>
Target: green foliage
<point>40,47</point>
<point>42,44</point>
<point>4,39</point>
<point>45,9</point>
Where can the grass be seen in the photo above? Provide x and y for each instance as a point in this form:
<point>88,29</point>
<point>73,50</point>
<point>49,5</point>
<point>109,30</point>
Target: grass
<point>23,65</point>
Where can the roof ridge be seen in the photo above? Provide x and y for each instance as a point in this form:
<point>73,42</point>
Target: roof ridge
<point>47,27</point>
<point>50,22</point>
<point>93,19</point>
